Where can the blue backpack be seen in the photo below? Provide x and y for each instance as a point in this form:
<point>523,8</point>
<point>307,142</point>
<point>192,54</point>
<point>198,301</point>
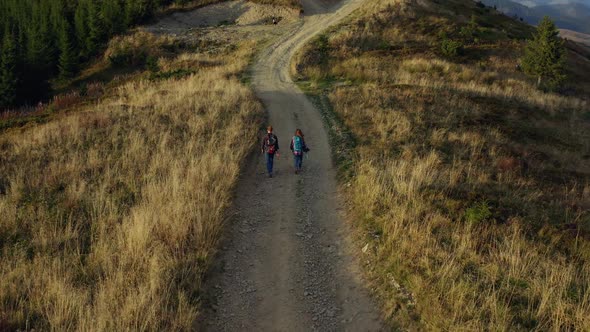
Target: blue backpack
<point>297,144</point>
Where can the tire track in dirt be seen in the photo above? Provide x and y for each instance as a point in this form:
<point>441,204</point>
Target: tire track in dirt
<point>286,265</point>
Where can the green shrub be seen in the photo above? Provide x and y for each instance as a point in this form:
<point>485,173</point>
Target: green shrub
<point>442,35</point>
<point>83,89</point>
<point>478,213</point>
<point>323,47</point>
<point>451,48</point>
<point>467,32</point>
<point>470,31</point>
<point>151,64</point>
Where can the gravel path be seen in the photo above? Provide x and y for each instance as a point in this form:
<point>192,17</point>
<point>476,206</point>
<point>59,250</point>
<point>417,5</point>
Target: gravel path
<point>286,264</point>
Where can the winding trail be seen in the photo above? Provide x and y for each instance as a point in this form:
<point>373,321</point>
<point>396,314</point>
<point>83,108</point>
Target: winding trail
<point>286,264</point>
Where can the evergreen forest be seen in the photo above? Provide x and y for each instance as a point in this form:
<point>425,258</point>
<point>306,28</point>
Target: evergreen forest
<point>44,40</point>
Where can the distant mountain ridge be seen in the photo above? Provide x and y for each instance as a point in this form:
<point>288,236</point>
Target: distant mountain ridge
<point>573,16</point>
<point>533,3</point>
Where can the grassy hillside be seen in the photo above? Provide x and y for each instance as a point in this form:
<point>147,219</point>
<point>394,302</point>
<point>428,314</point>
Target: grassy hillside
<point>110,213</point>
<point>470,188</point>
<point>577,37</point>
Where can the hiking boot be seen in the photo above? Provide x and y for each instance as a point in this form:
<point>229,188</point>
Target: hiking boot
<point>270,175</point>
<point>296,172</point>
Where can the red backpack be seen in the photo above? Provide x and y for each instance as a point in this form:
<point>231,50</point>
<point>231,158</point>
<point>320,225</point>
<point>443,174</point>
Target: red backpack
<point>271,142</point>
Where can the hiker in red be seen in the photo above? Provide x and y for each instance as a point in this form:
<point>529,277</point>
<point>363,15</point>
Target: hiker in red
<point>299,148</point>
<point>270,147</point>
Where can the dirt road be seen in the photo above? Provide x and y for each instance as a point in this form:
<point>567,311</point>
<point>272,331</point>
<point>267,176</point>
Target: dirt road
<point>287,265</point>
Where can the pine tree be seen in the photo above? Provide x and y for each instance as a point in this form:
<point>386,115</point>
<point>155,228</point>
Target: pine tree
<point>21,41</point>
<point>137,11</point>
<point>80,19</point>
<point>113,16</point>
<point>8,77</point>
<point>40,55</point>
<point>40,59</point>
<point>544,56</point>
<point>131,12</point>
<point>68,60</point>
<point>49,37</point>
<point>95,33</point>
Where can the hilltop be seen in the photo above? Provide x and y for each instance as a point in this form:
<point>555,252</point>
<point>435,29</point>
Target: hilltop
<point>467,186</point>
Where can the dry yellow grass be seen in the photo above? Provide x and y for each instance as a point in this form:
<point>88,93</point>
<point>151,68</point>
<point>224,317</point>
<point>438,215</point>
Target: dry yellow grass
<point>470,186</point>
<point>109,216</point>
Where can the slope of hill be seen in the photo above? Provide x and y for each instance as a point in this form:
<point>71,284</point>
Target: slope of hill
<point>578,37</point>
<point>469,188</point>
<point>112,199</point>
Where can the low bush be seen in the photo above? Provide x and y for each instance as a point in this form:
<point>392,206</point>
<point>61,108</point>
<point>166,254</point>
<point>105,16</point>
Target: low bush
<point>478,213</point>
<point>451,48</point>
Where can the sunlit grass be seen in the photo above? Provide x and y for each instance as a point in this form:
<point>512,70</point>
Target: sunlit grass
<point>110,215</point>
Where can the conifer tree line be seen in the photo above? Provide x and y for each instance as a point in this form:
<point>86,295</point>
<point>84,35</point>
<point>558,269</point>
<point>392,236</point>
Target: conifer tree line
<point>46,39</point>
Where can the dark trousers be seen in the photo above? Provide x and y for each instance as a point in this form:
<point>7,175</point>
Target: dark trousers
<point>269,162</point>
<point>298,161</point>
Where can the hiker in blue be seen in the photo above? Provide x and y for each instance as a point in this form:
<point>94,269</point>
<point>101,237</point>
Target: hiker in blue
<point>270,147</point>
<point>299,148</point>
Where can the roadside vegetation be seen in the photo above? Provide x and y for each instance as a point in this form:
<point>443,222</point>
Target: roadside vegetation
<point>110,214</point>
<point>469,186</point>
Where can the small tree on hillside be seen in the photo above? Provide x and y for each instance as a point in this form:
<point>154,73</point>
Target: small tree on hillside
<point>544,56</point>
